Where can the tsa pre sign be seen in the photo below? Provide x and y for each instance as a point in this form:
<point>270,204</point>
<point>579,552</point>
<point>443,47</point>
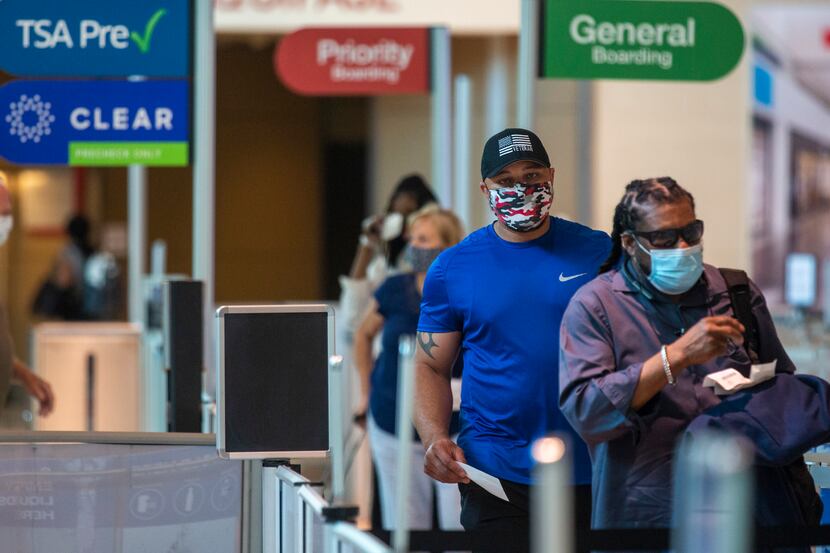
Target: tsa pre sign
<point>321,62</point>
<point>636,39</point>
<point>95,38</point>
<point>95,123</point>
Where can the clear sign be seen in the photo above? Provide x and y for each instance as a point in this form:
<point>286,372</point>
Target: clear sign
<point>372,61</point>
<point>635,39</point>
<point>86,38</point>
<point>103,123</point>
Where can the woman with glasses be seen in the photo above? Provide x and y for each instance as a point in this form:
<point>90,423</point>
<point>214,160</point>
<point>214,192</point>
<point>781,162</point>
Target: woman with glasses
<point>636,344</point>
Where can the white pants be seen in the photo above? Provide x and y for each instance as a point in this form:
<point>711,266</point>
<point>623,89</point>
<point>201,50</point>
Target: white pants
<point>385,457</point>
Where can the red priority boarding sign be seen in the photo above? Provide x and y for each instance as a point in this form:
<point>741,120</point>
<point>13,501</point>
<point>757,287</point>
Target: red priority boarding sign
<point>354,61</point>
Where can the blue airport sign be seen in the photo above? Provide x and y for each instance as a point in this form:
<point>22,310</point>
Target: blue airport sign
<point>95,123</point>
<point>95,38</point>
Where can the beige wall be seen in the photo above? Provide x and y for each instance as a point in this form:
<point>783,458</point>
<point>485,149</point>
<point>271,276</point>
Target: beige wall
<point>699,133</point>
<point>696,133</point>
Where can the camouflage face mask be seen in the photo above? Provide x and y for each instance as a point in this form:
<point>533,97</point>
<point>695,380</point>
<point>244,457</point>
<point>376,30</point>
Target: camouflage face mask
<point>521,207</point>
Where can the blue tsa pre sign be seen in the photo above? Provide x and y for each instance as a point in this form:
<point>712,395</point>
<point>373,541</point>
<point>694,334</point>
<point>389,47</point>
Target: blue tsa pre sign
<point>95,123</point>
<point>95,38</point>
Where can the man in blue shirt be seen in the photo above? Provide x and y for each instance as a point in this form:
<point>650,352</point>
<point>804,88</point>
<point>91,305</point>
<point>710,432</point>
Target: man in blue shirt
<point>498,299</point>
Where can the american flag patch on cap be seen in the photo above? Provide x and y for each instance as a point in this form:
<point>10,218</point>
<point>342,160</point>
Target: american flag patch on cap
<point>514,143</point>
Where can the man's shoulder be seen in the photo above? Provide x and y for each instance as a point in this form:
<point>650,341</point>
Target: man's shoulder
<point>586,235</point>
<point>470,245</point>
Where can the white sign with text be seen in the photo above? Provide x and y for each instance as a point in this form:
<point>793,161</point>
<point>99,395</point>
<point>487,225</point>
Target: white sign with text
<point>283,16</point>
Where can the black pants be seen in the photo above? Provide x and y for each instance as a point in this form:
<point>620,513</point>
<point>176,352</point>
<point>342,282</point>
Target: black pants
<point>506,525</point>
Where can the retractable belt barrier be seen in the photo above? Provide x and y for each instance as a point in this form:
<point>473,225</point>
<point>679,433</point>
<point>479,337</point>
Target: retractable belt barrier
<point>627,539</point>
<point>305,522</point>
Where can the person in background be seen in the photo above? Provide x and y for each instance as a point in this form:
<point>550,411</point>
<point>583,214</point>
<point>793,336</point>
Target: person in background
<point>637,343</point>
<point>497,299</point>
<point>83,284</point>
<point>61,295</point>
<point>382,240</point>
<point>10,365</point>
<point>394,313</point>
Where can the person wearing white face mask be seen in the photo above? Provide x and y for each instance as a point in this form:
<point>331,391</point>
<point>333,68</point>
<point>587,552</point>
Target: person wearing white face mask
<point>394,313</point>
<point>637,343</point>
<point>10,365</point>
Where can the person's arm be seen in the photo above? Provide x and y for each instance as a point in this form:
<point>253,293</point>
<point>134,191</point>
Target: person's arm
<point>706,340</point>
<point>362,352</point>
<point>601,399</point>
<point>369,240</point>
<point>434,358</point>
<point>35,387</point>
<point>362,258</point>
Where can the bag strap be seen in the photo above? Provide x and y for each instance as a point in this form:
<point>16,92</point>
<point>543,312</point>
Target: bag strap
<point>737,283</point>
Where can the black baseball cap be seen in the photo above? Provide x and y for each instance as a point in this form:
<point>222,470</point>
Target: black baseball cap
<point>509,146</point>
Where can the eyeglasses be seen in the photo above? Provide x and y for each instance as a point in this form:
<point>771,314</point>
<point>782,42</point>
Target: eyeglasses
<point>667,238</point>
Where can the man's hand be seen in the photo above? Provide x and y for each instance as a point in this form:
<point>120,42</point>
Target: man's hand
<point>441,462</point>
<point>40,390</point>
<point>706,340</point>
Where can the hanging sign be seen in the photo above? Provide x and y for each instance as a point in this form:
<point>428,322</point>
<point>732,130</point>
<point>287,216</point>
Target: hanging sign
<point>95,38</point>
<point>336,62</point>
<point>636,39</point>
<point>285,16</point>
<point>103,123</point>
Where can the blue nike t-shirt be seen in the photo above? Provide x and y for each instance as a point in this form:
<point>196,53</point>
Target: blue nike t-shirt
<point>507,300</point>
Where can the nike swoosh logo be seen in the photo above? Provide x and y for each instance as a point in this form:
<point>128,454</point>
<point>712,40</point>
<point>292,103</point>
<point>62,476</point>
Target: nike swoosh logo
<point>563,278</point>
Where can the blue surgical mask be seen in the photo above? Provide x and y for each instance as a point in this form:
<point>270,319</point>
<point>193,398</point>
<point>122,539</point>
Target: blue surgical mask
<point>675,271</point>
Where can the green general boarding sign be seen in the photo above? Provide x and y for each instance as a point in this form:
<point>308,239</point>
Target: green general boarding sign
<point>639,39</point>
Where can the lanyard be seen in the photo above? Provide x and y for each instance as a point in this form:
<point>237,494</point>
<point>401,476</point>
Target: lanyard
<point>651,308</point>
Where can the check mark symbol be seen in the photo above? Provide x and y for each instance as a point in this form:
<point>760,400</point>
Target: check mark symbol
<point>563,278</point>
<point>143,41</point>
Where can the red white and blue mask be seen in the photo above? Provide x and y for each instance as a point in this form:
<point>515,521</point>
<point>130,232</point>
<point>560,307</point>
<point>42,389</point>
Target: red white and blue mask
<point>521,207</point>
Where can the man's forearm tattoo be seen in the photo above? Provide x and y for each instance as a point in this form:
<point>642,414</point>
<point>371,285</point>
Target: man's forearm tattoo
<point>427,343</point>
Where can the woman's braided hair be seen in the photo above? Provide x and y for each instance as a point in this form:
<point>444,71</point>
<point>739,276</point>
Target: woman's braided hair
<point>638,194</point>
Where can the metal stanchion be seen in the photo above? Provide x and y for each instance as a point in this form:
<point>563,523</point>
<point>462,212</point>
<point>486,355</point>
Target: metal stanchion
<point>462,184</point>
<point>713,495</point>
<point>441,124</point>
<point>270,508</point>
<point>336,435</point>
<point>406,401</point>
<point>552,526</point>
<point>528,64</point>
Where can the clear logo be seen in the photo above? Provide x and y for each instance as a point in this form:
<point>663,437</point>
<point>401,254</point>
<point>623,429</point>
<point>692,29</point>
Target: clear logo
<point>30,118</point>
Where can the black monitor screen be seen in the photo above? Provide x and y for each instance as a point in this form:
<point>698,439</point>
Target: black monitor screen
<point>275,382</point>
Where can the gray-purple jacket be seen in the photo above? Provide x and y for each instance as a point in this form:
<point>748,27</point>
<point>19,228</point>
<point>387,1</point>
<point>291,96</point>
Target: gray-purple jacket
<point>609,329</point>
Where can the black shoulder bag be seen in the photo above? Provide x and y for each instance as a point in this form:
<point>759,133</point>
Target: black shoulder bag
<point>795,475</point>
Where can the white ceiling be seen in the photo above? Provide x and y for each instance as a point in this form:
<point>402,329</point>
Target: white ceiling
<point>798,34</point>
